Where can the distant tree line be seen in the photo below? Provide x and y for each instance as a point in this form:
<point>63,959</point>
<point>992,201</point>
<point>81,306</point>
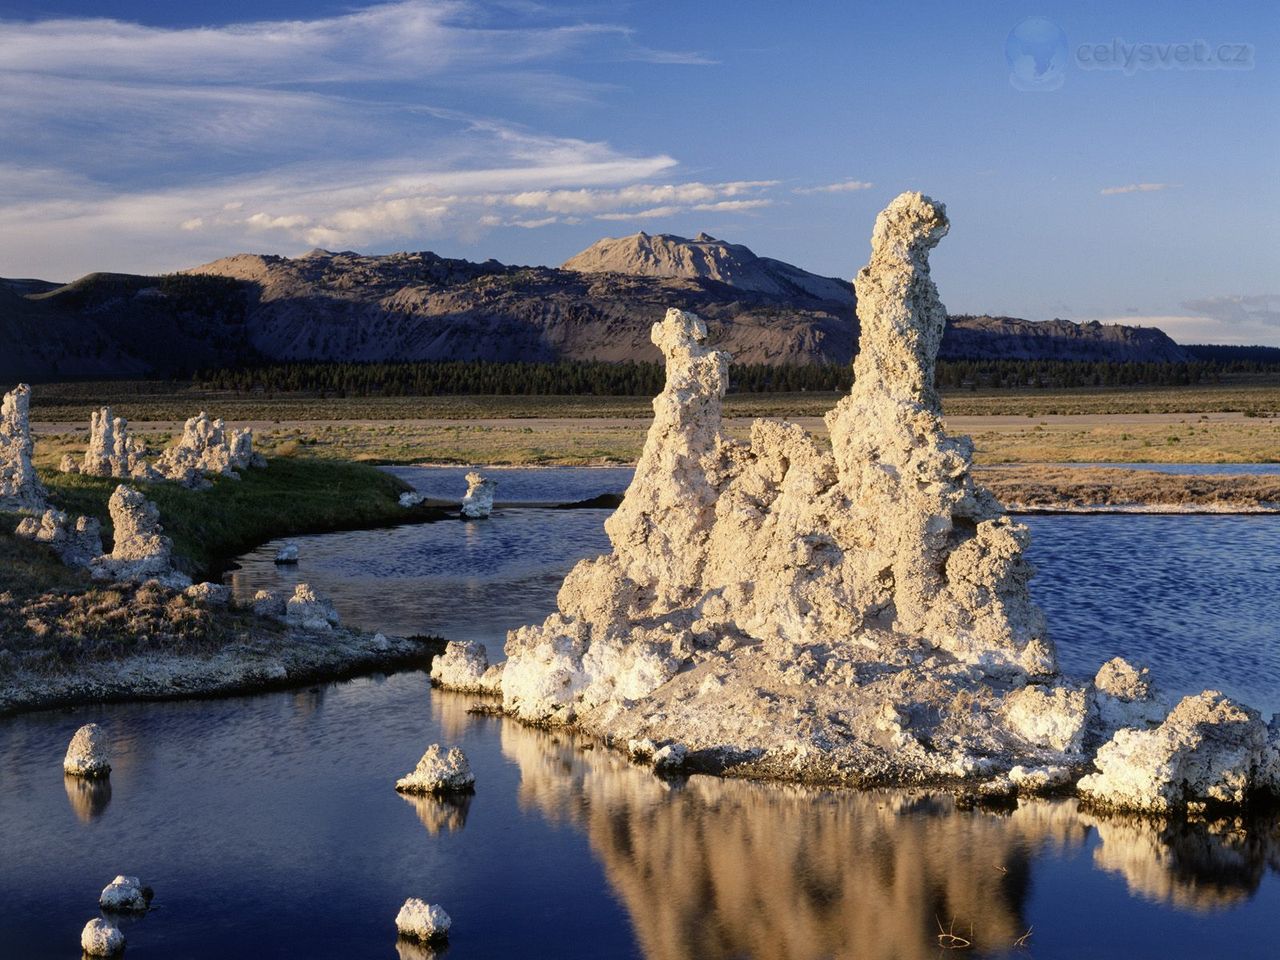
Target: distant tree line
<point>639,378</point>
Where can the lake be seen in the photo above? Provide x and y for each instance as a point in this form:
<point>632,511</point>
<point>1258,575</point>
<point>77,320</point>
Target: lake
<point>269,825</point>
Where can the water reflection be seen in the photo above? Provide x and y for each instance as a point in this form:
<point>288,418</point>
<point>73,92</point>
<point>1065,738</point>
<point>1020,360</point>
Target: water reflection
<point>728,869</point>
<point>89,798</point>
<point>440,814</point>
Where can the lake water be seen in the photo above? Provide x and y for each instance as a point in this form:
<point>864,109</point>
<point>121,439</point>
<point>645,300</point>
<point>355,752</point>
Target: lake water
<point>269,825</point>
<point>1193,597</point>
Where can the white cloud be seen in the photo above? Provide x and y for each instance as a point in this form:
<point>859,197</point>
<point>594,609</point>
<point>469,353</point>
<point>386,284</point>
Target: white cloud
<point>133,147</point>
<point>1136,188</point>
<point>843,186</point>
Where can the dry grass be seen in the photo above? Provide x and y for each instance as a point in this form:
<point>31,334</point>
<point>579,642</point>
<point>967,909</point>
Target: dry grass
<point>1050,487</point>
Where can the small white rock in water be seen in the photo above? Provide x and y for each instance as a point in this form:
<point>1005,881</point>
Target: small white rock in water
<point>439,772</point>
<point>411,499</point>
<point>87,754</point>
<point>100,938</point>
<point>125,895</point>
<point>478,503</point>
<point>670,758</point>
<point>422,921</point>
<point>287,554</point>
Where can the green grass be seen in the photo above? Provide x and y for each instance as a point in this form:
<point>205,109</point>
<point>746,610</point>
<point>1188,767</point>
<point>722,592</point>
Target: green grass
<point>291,496</point>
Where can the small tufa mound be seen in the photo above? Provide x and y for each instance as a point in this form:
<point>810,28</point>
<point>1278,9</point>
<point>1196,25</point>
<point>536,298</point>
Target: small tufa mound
<point>141,552</point>
<point>287,554</point>
<point>1209,750</point>
<point>100,938</point>
<point>437,773</point>
<point>422,921</point>
<point>76,544</point>
<point>210,593</point>
<point>464,666</point>
<point>207,448</point>
<point>20,486</point>
<point>308,610</point>
<point>478,503</point>
<point>111,451</point>
<point>125,895</point>
<point>88,754</point>
<point>411,499</point>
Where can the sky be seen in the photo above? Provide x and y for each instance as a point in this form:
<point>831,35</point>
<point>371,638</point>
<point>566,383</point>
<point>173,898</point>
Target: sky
<point>1111,161</point>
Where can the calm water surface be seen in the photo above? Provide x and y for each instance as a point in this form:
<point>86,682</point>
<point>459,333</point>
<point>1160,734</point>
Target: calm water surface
<point>269,825</point>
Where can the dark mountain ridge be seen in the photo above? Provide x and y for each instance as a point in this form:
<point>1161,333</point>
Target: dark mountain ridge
<point>418,306</point>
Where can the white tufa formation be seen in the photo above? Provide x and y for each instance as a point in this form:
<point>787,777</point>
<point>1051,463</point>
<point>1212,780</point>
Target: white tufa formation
<point>859,615</point>
<point>424,922</point>
<point>1209,750</point>
<point>464,666</point>
<point>88,754</point>
<point>478,502</point>
<point>439,772</point>
<point>111,451</point>
<point>287,554</point>
<point>75,543</point>
<point>308,610</point>
<point>100,938</point>
<point>207,448</point>
<point>141,551</point>
<point>125,895</point>
<point>20,488</point>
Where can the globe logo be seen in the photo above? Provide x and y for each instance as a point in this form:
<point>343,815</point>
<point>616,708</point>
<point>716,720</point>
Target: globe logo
<point>1036,51</point>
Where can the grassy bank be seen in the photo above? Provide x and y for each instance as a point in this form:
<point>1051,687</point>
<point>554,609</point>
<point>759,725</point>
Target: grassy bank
<point>291,496</point>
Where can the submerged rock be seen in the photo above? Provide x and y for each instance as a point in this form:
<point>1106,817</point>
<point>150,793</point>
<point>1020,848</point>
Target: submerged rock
<point>464,666</point>
<point>88,754</point>
<point>20,486</point>
<point>439,772</point>
<point>141,551</point>
<point>125,895</point>
<point>1209,750</point>
<point>478,502</point>
<point>76,543</point>
<point>424,922</point>
<point>310,611</point>
<point>101,938</point>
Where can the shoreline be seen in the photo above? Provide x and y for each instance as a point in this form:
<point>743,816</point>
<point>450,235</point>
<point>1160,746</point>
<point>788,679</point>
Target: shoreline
<point>296,660</point>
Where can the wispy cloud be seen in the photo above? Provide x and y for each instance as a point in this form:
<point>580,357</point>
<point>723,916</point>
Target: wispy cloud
<point>1232,319</point>
<point>843,186</point>
<point>136,147</point>
<point>1136,188</point>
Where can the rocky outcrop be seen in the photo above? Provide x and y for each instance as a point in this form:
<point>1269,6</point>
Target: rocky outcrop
<point>464,666</point>
<point>439,772</point>
<point>75,543</point>
<point>478,501</point>
<point>423,922</point>
<point>859,615</point>
<point>310,611</point>
<point>140,551</point>
<point>101,938</point>
<point>20,487</point>
<point>207,448</point>
<point>111,451</point>
<point>1209,750</point>
<point>88,754</point>
<point>125,895</point>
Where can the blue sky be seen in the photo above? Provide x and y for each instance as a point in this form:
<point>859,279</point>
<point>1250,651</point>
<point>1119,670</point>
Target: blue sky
<point>147,137</point>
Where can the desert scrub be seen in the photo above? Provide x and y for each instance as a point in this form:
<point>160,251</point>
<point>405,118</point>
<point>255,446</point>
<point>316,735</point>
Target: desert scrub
<point>82,622</point>
<point>289,497</point>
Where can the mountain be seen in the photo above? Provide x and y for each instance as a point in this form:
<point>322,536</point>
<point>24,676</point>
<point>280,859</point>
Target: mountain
<point>666,255</point>
<point>252,308</point>
<point>983,337</point>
